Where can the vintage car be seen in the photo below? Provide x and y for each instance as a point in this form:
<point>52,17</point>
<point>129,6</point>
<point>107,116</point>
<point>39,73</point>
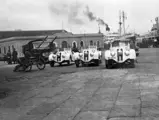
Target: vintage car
<point>120,53</point>
<point>88,56</point>
<point>60,56</point>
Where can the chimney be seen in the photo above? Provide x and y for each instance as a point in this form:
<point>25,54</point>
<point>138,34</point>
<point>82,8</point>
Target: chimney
<point>99,29</point>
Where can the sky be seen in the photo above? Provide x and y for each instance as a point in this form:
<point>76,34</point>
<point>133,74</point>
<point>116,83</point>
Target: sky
<point>78,16</point>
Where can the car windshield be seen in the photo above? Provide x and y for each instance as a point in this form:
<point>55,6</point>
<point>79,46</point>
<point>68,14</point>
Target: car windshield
<point>119,43</point>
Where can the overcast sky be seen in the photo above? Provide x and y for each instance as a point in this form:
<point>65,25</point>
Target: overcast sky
<point>73,14</point>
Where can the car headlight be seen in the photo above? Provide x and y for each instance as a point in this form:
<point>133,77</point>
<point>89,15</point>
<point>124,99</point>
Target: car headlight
<point>127,49</point>
<point>91,54</point>
<point>54,56</point>
<point>112,53</point>
<point>63,56</point>
<point>80,54</point>
<point>127,53</point>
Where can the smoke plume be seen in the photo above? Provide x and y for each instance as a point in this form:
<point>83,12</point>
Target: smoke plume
<point>92,17</point>
<point>90,14</point>
<point>72,11</point>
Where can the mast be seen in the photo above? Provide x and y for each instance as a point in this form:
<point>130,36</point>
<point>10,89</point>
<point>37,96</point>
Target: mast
<point>120,23</point>
<point>124,17</point>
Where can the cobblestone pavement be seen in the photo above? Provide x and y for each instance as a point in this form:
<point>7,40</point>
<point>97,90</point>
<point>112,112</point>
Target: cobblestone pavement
<point>87,93</point>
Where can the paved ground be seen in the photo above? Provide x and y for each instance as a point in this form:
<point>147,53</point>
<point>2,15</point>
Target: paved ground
<point>90,93</point>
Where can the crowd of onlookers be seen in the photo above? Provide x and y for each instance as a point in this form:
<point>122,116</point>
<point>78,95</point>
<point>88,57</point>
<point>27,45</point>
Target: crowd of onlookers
<point>11,57</point>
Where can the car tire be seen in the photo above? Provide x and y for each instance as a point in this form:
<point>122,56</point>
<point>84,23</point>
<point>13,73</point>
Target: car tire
<point>71,60</point>
<point>68,62</point>
<point>132,64</point>
<point>60,64</point>
<point>77,63</point>
<point>107,65</point>
<point>97,62</point>
<point>83,65</point>
<point>52,63</point>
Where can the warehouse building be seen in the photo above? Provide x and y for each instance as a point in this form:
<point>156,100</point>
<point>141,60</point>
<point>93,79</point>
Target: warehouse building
<point>64,40</point>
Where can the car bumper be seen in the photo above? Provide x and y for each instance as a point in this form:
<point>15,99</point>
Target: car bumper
<point>90,61</point>
<point>127,61</point>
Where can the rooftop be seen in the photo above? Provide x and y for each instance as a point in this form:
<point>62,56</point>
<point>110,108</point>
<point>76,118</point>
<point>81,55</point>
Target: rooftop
<point>59,35</point>
<point>7,34</point>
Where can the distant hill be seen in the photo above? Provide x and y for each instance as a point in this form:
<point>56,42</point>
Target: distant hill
<point>7,34</point>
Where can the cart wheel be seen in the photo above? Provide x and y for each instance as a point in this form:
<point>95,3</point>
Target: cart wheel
<point>28,68</point>
<point>16,68</point>
<point>40,65</point>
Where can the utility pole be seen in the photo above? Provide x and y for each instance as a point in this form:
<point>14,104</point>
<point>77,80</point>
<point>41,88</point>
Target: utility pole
<point>120,23</point>
<point>157,25</point>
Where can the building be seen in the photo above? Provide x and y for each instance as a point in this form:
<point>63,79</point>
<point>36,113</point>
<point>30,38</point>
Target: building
<point>8,34</point>
<point>111,36</point>
<point>64,40</point>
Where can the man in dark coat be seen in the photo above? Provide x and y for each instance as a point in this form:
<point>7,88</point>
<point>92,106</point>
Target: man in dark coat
<point>27,56</point>
<point>14,55</point>
<point>9,59</point>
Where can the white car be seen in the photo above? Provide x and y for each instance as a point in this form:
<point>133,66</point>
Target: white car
<point>61,56</point>
<point>87,56</point>
<point>120,52</point>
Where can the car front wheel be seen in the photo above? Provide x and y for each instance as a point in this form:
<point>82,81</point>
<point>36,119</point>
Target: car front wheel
<point>52,63</point>
<point>77,63</point>
<point>132,65</point>
<point>107,65</point>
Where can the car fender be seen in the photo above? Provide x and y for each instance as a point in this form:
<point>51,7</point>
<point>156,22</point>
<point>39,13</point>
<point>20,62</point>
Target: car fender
<point>132,54</point>
<point>95,55</point>
<point>107,54</point>
<point>76,56</point>
<point>51,57</point>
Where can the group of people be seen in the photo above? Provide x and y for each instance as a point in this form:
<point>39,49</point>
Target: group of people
<point>11,57</point>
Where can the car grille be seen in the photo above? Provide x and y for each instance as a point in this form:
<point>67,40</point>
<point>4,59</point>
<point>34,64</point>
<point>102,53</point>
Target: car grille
<point>86,55</point>
<point>59,57</point>
<point>120,54</point>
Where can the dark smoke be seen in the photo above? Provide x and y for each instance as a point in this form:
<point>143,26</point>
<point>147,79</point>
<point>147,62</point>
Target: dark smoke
<point>92,17</point>
<point>100,21</point>
<point>89,14</point>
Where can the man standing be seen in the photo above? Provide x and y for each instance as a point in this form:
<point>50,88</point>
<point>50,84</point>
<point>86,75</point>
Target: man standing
<point>14,55</point>
<point>9,59</point>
